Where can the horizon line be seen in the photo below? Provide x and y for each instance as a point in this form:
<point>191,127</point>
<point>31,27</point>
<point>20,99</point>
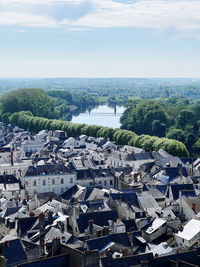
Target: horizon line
<point>142,77</point>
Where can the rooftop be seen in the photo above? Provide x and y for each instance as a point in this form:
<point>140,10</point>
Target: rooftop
<point>191,229</point>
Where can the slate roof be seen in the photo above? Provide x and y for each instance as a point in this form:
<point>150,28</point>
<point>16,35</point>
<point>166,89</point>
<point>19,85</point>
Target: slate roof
<point>100,218</point>
<point>24,224</point>
<point>101,242</point>
<point>176,188</point>
<point>128,261</point>
<point>173,172</point>
<point>125,197</point>
<point>45,196</point>
<point>56,261</point>
<point>188,193</point>
<point>142,156</point>
<point>67,195</point>
<point>94,173</point>
<point>191,257</point>
<point>87,192</point>
<point>130,225</point>
<point>47,169</point>
<point>162,188</point>
<point>9,179</point>
<point>96,204</point>
<point>189,160</point>
<point>9,211</point>
<point>14,252</point>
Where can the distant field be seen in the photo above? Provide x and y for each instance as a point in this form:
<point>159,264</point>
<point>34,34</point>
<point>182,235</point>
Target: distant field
<point>131,87</point>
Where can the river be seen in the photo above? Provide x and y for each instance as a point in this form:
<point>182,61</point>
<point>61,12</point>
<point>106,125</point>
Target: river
<point>102,115</point>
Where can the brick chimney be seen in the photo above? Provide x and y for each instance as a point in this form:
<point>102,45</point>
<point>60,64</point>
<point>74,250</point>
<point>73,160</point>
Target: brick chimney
<point>125,252</point>
<point>194,207</point>
<point>41,220</point>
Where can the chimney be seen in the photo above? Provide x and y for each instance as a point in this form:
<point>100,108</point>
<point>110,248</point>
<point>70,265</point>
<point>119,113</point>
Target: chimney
<point>106,230</point>
<point>50,217</point>
<point>41,220</point>
<point>194,208</point>
<point>55,246</point>
<point>50,197</point>
<point>31,214</point>
<point>42,243</point>
<point>125,252</point>
<point>90,225</point>
<point>11,158</point>
<point>62,227</point>
<point>98,233</point>
<point>135,177</point>
<point>181,172</point>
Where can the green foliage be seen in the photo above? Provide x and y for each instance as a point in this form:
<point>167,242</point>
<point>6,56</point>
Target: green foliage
<point>151,143</point>
<point>106,132</point>
<point>185,117</point>
<point>196,147</point>
<point>67,96</point>
<point>35,100</point>
<point>140,118</point>
<point>122,137</point>
<point>174,118</point>
<point>91,130</point>
<point>158,128</point>
<point>177,134</point>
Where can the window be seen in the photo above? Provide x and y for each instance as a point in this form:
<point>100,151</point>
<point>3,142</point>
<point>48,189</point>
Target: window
<point>99,182</point>
<point>62,181</point>
<point>43,182</point>
<point>61,190</point>
<point>34,183</point>
<point>53,181</point>
<point>71,180</point>
<point>105,183</point>
<point>111,182</point>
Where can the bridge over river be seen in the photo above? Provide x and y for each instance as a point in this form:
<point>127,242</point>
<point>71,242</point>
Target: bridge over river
<point>102,115</point>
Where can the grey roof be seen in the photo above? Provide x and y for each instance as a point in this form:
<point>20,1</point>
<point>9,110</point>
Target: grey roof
<point>47,169</point>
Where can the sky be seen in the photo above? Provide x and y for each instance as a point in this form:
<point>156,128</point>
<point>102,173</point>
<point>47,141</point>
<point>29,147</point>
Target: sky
<point>100,38</point>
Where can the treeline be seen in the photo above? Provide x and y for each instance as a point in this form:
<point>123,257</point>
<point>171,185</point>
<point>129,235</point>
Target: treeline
<point>144,88</point>
<point>80,100</point>
<point>37,101</point>
<point>172,118</point>
<point>54,104</point>
<point>26,120</point>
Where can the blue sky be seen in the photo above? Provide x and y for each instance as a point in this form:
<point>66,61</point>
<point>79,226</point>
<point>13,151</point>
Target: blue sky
<point>99,38</point>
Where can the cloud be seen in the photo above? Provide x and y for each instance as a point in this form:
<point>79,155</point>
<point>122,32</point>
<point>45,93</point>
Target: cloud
<point>78,29</point>
<point>20,30</point>
<point>157,14</point>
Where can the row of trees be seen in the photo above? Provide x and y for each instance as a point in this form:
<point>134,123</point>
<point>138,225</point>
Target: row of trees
<point>26,120</point>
